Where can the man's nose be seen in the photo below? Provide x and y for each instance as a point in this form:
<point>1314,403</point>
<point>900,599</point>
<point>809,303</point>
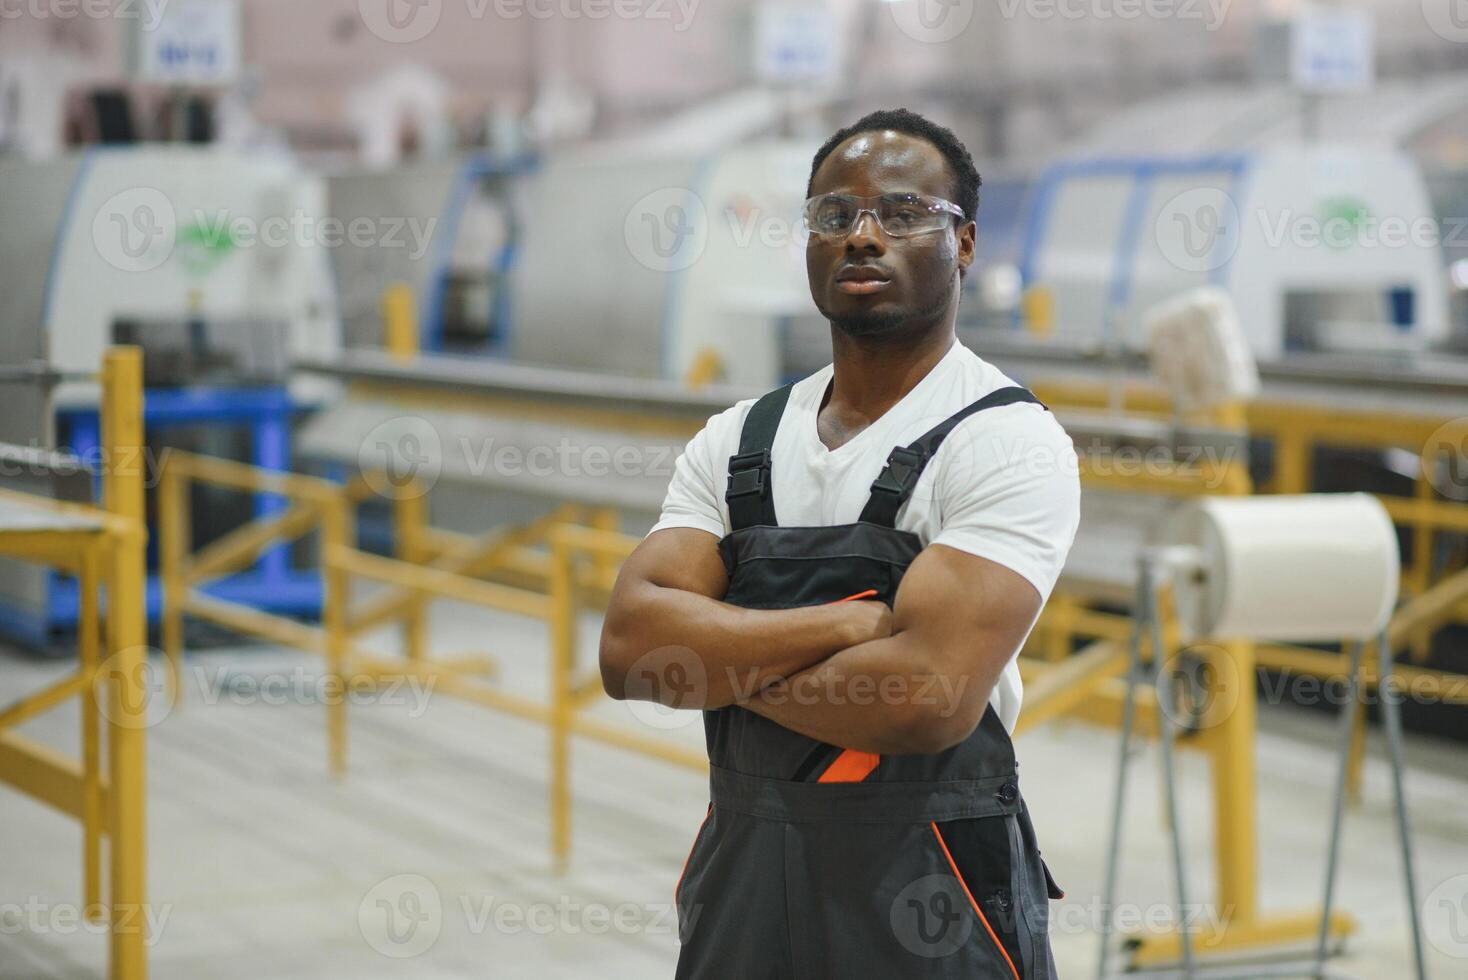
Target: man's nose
<point>866,233</point>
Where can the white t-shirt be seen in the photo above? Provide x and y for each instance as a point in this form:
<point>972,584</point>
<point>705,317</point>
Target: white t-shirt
<point>1003,485</point>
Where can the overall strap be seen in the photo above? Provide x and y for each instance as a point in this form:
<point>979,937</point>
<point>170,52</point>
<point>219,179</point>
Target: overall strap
<point>906,463</point>
<point>750,495</point>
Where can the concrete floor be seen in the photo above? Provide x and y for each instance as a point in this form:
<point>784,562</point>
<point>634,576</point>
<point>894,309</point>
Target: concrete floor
<point>263,867</point>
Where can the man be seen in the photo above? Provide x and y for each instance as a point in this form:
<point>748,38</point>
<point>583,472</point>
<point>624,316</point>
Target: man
<point>849,566</point>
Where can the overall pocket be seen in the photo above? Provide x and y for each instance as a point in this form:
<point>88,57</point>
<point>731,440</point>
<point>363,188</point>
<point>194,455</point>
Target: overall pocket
<point>977,853</point>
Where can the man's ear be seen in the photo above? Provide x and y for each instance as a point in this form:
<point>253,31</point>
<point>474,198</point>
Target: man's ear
<point>967,234</point>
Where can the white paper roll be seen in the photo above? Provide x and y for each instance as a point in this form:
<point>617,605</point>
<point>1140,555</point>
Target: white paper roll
<point>1290,568</point>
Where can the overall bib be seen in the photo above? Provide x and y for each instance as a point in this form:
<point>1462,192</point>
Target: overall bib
<point>818,862</point>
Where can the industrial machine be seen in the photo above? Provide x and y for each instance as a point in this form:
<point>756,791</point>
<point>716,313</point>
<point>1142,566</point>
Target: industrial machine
<point>1323,247</point>
<point>217,264</point>
<point>454,232</point>
<point>674,267</point>
<point>655,265</point>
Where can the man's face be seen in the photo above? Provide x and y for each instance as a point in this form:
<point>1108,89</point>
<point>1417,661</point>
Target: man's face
<point>867,283</point>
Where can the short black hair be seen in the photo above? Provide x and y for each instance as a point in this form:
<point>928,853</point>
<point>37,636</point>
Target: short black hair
<point>966,178</point>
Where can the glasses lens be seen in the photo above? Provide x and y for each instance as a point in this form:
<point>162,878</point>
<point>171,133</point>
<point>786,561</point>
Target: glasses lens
<point>830,214</point>
<point>911,214</point>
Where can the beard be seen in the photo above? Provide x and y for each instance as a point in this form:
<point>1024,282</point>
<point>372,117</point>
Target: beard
<point>876,324</point>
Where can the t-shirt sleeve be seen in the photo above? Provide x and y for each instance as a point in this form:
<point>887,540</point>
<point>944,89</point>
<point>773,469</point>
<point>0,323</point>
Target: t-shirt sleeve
<point>695,497</point>
<point>1009,491</point>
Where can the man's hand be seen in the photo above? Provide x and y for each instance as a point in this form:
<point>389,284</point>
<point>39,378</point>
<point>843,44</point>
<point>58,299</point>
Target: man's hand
<point>957,622</point>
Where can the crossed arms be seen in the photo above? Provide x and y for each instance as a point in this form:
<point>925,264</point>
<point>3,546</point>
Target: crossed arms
<point>913,679</point>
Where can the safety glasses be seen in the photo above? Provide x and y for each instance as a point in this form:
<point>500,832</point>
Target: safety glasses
<point>899,215</point>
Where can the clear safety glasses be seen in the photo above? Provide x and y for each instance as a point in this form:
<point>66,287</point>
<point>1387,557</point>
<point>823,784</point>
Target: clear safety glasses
<point>899,215</point>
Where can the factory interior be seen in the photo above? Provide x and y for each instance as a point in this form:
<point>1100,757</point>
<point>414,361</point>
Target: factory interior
<point>348,349</point>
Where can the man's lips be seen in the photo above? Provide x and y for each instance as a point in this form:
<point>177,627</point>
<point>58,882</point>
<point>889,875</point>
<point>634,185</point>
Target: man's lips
<point>862,280</point>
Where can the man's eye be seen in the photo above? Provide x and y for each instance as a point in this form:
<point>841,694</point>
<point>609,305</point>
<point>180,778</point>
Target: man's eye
<point>834,215</point>
<point>904,217</point>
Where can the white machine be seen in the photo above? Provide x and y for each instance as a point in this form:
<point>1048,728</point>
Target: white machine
<point>648,265</point>
<point>1322,246</point>
<point>217,264</point>
<point>146,237</point>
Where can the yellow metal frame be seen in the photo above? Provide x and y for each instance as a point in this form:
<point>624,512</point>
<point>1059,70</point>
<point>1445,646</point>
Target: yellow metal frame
<point>549,570</point>
<point>106,549</point>
<point>1088,685</point>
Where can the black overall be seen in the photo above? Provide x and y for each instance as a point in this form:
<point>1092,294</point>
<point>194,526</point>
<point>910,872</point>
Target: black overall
<point>906,866</point>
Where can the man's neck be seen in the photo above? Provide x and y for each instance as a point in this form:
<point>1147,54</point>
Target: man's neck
<point>870,376</point>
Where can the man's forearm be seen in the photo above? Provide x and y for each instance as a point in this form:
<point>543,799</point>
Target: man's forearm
<point>888,696</point>
<point>725,652</point>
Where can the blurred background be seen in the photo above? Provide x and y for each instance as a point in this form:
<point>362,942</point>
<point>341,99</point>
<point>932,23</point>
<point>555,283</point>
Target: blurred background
<point>385,320</point>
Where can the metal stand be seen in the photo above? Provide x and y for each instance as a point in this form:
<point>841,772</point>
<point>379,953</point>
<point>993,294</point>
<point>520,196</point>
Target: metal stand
<point>1391,719</point>
<point>1148,619</point>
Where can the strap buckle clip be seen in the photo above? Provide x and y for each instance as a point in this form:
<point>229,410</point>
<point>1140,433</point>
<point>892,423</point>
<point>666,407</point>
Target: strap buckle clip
<point>749,474</point>
<point>900,475</point>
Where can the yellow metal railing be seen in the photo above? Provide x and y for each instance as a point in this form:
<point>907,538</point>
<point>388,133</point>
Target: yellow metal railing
<point>550,583</point>
<point>103,548</point>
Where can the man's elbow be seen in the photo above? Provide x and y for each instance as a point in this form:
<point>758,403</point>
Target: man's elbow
<point>931,729</point>
<point>613,656</point>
